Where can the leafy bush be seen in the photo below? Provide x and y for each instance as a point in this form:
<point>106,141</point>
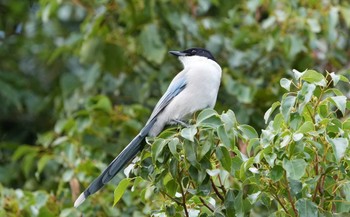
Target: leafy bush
<point>298,166</point>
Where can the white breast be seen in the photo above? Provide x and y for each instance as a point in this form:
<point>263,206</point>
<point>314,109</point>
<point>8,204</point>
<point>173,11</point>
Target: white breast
<point>203,78</point>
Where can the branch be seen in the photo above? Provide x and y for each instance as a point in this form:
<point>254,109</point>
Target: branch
<point>206,205</point>
<point>183,199</point>
<point>216,190</point>
<point>291,198</point>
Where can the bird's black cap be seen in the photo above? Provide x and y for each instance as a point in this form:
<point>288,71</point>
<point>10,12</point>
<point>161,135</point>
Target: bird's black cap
<point>194,52</point>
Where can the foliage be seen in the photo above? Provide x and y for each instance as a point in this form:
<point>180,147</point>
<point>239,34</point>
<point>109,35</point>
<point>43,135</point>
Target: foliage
<point>298,166</point>
<point>79,78</point>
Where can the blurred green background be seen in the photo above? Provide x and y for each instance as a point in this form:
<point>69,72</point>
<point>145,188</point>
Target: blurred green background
<point>79,78</point>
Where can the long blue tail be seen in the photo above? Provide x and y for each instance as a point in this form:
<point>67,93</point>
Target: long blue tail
<point>129,152</point>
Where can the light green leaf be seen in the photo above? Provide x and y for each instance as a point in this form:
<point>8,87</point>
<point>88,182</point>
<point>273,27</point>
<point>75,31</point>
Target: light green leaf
<point>306,127</point>
<point>344,79</point>
<point>339,146</point>
<point>295,168</point>
<point>298,74</point>
<point>189,133</point>
<point>340,102</point>
<point>285,83</point>
<point>305,95</point>
<point>286,106</point>
<point>335,78</point>
<point>285,141</point>
<point>270,111</point>
<point>104,104</point>
<point>306,207</point>
<point>205,114</point>
<point>297,136</point>
<point>314,77</point>
<point>120,189</point>
<point>248,131</point>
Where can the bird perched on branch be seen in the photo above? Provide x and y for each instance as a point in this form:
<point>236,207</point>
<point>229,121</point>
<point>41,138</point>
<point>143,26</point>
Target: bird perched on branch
<point>194,88</point>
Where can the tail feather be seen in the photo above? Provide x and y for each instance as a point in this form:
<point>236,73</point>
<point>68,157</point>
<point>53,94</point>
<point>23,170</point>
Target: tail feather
<point>129,152</point>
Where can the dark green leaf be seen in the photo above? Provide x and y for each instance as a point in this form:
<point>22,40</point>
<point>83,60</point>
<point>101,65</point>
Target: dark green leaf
<point>306,207</point>
<point>189,133</point>
<point>295,168</point>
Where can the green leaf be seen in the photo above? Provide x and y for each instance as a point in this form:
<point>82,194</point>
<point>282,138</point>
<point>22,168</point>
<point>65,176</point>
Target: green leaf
<point>203,149</point>
<point>276,173</point>
<point>248,131</point>
<point>286,106</point>
<point>305,95</point>
<point>104,104</point>
<point>298,74</point>
<point>270,111</point>
<point>189,133</point>
<point>340,103</point>
<point>173,147</point>
<point>42,162</point>
<point>295,168</point>
<point>157,149</point>
<point>346,14</point>
<point>339,146</point>
<point>306,207</point>
<point>223,136</point>
<point>335,78</point>
<point>314,77</point>
<point>152,46</point>
<point>206,114</point>
<point>120,189</point>
<point>285,83</point>
<point>190,152</point>
<point>171,187</point>
<point>224,157</point>
<point>230,203</point>
<point>308,126</point>
<point>229,119</point>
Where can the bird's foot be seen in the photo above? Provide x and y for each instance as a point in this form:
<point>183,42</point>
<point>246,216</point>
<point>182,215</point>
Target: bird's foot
<point>180,122</point>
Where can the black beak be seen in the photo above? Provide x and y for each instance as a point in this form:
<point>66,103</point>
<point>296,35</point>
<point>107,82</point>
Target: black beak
<point>177,53</point>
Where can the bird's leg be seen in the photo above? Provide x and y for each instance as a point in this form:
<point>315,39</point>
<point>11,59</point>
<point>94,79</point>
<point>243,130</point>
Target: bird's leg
<point>180,122</point>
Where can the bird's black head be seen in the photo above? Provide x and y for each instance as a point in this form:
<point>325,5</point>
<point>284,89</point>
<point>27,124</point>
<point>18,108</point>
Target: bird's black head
<point>194,52</point>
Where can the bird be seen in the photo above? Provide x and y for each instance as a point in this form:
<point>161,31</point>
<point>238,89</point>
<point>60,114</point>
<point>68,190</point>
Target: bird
<point>192,89</point>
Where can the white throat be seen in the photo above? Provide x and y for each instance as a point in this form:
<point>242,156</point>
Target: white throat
<point>189,61</point>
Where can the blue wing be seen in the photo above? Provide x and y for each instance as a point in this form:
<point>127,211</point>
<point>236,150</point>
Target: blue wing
<point>175,87</point>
